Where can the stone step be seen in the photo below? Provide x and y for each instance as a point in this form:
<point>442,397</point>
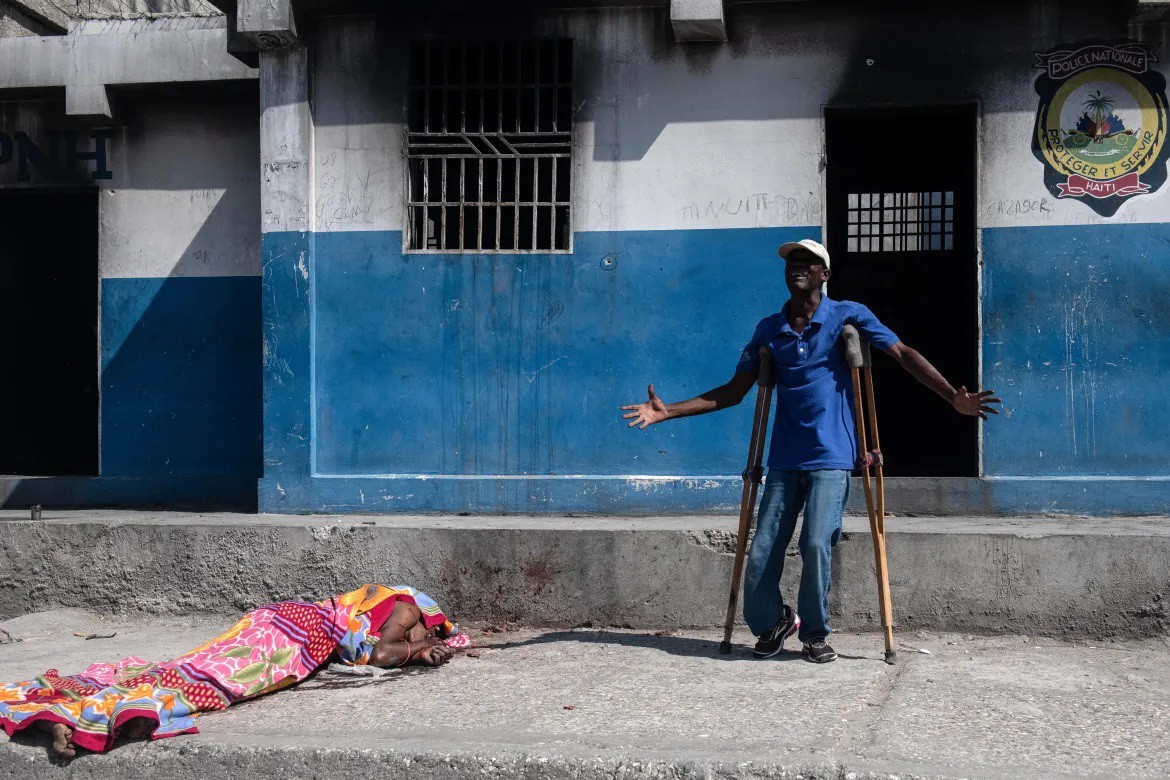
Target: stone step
<point>1073,577</point>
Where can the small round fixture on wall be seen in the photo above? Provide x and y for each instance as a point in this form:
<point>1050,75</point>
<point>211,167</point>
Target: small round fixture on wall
<point>869,62</point>
<point>609,262</point>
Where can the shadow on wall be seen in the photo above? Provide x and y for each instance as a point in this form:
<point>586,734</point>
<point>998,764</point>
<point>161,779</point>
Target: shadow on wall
<point>181,362</point>
<point>181,371</point>
<point>632,80</point>
<point>180,309</point>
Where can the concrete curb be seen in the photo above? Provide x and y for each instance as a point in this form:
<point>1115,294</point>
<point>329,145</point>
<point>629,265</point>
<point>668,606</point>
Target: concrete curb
<point>1045,576</point>
<point>180,758</point>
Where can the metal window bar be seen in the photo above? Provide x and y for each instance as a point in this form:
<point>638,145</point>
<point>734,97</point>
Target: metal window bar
<point>457,74</point>
<point>900,221</point>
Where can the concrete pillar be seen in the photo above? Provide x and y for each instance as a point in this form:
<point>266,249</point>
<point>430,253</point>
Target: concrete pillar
<point>286,155</point>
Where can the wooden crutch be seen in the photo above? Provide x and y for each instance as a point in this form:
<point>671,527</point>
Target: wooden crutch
<point>857,355</point>
<point>752,475</point>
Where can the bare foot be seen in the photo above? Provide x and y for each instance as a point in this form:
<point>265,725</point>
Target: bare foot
<point>63,746</point>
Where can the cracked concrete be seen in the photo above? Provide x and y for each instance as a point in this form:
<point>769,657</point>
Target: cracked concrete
<point>1072,577</point>
<point>647,705</point>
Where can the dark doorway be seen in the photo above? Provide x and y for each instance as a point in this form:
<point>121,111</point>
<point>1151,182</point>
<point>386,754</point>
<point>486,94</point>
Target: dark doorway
<point>48,318</point>
<point>901,232</point>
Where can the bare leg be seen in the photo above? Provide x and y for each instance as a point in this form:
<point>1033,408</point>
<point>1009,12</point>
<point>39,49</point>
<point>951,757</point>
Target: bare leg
<point>63,746</point>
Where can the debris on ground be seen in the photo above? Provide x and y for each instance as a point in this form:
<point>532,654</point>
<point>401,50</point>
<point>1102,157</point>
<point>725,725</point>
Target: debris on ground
<point>570,706</point>
<point>472,654</point>
<point>95,636</point>
<point>7,638</point>
<point>357,671</point>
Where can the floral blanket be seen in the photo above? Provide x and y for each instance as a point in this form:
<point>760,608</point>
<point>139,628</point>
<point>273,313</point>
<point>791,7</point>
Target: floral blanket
<point>268,649</point>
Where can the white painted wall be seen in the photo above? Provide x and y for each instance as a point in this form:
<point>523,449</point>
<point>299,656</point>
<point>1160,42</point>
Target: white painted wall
<point>185,196</point>
<point>671,136</point>
<point>184,199</point>
<point>658,145</point>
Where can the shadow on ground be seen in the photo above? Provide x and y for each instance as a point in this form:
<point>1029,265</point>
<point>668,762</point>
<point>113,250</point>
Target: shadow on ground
<point>689,647</point>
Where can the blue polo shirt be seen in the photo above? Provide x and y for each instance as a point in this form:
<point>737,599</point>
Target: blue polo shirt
<point>813,426</point>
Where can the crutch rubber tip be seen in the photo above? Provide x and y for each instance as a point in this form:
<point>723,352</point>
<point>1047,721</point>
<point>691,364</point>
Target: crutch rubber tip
<point>725,648</point>
<point>891,657</point>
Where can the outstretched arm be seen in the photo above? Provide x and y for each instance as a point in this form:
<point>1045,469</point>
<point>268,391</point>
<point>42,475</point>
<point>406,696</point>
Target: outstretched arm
<point>655,410</point>
<point>977,404</point>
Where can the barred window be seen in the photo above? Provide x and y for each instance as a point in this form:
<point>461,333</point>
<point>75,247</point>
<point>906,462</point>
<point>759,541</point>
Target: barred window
<point>901,222</point>
<point>489,146</point>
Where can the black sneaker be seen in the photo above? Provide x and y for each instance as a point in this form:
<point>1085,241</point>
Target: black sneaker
<point>819,652</point>
<point>772,642</point>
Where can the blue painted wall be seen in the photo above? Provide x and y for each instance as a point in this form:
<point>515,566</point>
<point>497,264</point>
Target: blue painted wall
<point>1077,342</point>
<point>181,373</point>
<point>484,383</point>
<point>516,364</point>
<point>488,365</point>
<point>181,376</point>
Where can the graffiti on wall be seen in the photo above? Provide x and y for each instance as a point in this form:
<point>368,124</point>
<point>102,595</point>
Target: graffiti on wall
<point>1101,125</point>
<point>59,154</point>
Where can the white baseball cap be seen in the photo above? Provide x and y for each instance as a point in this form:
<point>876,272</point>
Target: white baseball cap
<point>808,244</point>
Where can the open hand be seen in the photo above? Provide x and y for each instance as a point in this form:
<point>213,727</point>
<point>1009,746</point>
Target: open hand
<point>977,404</point>
<point>652,411</point>
<point>435,652</point>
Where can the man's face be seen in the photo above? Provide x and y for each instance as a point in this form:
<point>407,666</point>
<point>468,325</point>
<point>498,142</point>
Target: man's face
<point>804,272</point>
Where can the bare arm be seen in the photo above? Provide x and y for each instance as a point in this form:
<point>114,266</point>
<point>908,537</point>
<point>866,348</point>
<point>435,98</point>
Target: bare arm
<point>972,404</point>
<point>394,648</point>
<point>655,410</point>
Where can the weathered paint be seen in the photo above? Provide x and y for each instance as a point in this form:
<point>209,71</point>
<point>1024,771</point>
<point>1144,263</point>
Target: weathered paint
<point>180,376</point>
<point>1076,343</point>
<point>179,330</point>
<point>482,372</point>
<point>491,383</point>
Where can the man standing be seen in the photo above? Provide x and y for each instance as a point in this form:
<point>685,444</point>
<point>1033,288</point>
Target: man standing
<point>814,443</point>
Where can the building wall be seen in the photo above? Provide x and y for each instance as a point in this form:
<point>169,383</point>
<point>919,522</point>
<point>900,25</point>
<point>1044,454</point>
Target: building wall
<point>14,23</point>
<point>180,311</point>
<point>135,9</point>
<point>492,382</point>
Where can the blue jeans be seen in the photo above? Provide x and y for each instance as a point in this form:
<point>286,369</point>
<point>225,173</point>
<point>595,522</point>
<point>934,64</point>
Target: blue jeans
<point>822,494</point>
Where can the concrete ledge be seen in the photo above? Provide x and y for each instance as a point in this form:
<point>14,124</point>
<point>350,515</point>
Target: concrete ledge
<point>167,52</point>
<point>261,758</point>
<point>235,494</point>
<point>268,24</point>
<point>650,494</point>
<point>698,20</point>
<point>1089,577</point>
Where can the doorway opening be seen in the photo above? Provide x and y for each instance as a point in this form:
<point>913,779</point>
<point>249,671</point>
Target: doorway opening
<point>901,232</point>
<point>49,315</point>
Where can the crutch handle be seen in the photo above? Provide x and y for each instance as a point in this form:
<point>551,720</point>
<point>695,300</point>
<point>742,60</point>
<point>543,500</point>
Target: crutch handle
<point>767,368</point>
<point>857,353</point>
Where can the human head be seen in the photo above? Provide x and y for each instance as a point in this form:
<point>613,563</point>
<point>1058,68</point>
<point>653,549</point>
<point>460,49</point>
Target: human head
<point>806,266</point>
<point>418,632</point>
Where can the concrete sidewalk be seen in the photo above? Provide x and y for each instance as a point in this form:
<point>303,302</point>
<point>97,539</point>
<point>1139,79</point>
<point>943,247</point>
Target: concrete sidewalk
<point>1065,577</point>
<point>646,705</point>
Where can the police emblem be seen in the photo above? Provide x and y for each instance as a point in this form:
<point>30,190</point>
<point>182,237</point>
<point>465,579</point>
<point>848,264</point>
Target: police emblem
<point>1101,125</point>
